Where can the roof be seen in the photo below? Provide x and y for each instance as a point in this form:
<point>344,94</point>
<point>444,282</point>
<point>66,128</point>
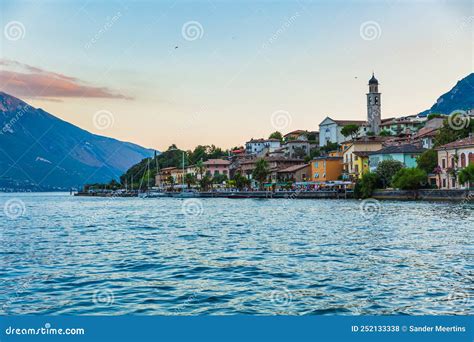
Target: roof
<point>216,162</point>
<point>327,158</point>
<point>262,140</point>
<point>168,168</point>
<point>373,80</point>
<point>407,148</point>
<point>350,122</point>
<point>375,139</point>
<point>298,131</point>
<point>361,154</point>
<point>293,168</point>
<point>465,142</point>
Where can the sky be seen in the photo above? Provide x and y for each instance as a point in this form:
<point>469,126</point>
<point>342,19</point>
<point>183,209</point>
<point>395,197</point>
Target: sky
<point>221,72</point>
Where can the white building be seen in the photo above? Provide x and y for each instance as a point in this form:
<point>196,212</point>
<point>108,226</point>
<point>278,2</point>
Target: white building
<point>453,157</point>
<point>330,130</point>
<point>259,146</point>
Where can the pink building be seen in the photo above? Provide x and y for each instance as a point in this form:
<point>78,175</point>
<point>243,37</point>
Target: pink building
<point>217,166</point>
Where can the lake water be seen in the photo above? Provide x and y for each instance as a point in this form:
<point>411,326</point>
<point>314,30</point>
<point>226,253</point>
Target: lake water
<point>75,255</point>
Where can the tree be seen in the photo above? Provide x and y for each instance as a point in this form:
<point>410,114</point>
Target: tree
<point>410,178</point>
<point>330,146</point>
<point>386,169</point>
<point>449,133</point>
<point>170,181</point>
<point>219,178</point>
<point>427,161</point>
<point>365,187</point>
<point>276,135</point>
<point>350,130</point>
<point>299,153</point>
<point>241,181</point>
<point>261,172</point>
<point>385,133</point>
<point>466,175</point>
<point>189,179</point>
<point>200,168</point>
<point>205,182</point>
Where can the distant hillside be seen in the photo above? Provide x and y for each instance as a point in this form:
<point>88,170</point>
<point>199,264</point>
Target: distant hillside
<point>38,151</point>
<point>461,96</point>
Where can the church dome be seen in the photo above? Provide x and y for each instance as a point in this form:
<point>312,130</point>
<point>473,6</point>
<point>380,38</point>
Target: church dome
<point>373,80</point>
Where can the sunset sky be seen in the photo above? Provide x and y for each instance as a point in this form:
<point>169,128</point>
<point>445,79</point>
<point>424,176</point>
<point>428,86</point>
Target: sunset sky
<point>214,72</point>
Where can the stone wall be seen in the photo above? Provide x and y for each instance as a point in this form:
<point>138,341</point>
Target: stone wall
<point>425,194</point>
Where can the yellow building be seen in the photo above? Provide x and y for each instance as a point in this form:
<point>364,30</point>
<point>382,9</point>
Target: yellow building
<point>355,156</point>
<point>328,168</point>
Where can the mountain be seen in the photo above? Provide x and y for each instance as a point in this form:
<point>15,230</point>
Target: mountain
<point>461,96</point>
<point>39,151</point>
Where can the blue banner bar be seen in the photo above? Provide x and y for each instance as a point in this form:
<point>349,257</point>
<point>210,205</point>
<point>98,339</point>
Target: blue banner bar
<point>237,328</point>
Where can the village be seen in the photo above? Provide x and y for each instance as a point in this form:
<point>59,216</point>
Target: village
<point>338,155</point>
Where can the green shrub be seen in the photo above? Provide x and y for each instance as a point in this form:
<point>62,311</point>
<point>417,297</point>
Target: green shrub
<point>410,179</point>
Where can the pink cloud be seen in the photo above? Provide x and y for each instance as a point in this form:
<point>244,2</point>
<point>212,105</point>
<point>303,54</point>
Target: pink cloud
<point>29,81</point>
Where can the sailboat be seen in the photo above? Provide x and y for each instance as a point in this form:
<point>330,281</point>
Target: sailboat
<point>150,193</point>
<point>185,193</point>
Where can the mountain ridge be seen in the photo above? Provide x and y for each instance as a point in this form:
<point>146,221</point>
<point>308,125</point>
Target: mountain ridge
<point>41,152</point>
<point>459,97</point>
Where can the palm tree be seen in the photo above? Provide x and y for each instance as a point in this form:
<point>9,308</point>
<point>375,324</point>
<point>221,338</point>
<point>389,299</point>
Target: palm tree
<point>261,172</point>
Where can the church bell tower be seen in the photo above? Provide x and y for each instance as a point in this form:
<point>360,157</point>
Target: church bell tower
<point>374,113</point>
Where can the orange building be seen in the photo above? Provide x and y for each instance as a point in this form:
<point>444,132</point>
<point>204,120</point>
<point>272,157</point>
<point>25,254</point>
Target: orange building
<point>328,168</point>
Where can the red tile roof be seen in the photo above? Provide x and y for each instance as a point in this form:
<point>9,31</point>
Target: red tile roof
<point>216,162</point>
<point>465,142</point>
<point>293,168</point>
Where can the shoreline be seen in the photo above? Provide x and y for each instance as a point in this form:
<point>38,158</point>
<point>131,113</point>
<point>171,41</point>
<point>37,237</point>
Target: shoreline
<point>399,195</point>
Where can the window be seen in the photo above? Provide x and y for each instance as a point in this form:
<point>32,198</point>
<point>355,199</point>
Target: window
<point>316,164</point>
<point>316,175</point>
<point>463,160</point>
<point>453,183</point>
<point>443,163</point>
<point>444,182</point>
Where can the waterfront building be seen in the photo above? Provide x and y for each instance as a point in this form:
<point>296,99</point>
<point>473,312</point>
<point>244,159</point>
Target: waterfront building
<point>355,156</point>
<point>327,168</point>
<point>451,158</point>
<point>162,177</point>
<point>274,165</point>
<point>295,173</point>
<point>330,130</point>
<point>261,146</point>
<point>296,149</point>
<point>217,167</point>
<point>405,154</point>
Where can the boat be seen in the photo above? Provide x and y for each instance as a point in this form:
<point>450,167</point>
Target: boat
<point>185,194</point>
<point>153,194</point>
